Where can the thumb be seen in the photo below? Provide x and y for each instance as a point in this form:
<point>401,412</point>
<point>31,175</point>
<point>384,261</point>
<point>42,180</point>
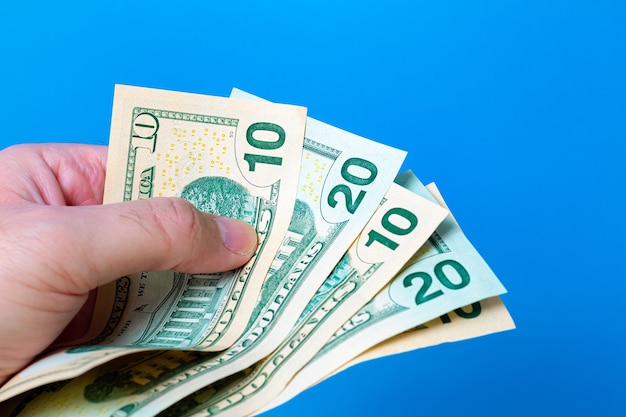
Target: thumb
<point>155,235</point>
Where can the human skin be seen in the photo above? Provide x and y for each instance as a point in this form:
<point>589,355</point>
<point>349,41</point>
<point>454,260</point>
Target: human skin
<point>58,243</point>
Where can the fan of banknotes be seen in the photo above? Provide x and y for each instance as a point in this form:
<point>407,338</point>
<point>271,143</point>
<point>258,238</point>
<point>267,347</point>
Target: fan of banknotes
<point>354,262</point>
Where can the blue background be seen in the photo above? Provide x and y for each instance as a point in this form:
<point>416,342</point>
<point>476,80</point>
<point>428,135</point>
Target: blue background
<point>515,108</point>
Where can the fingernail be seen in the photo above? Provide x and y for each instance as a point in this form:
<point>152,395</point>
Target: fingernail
<point>238,236</point>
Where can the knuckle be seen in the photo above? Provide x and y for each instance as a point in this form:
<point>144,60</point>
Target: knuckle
<point>178,224</point>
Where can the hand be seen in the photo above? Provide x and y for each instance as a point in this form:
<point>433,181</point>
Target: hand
<point>57,243</point>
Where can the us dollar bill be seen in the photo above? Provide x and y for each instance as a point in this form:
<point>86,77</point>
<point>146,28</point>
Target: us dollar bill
<point>478,319</point>
<point>481,318</point>
<point>391,236</point>
<point>343,178</point>
<point>229,157</point>
<point>401,224</point>
<point>59,364</point>
<point>446,266</point>
<point>226,156</point>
